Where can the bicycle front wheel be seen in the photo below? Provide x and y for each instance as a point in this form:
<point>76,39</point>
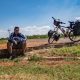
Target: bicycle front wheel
<point>74,38</point>
<point>50,39</point>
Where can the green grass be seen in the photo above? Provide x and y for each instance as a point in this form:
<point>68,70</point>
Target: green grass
<point>3,41</point>
<point>35,58</point>
<point>38,72</point>
<point>73,50</point>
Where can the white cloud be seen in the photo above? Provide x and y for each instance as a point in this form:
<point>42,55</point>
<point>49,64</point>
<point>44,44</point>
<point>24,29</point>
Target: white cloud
<point>77,18</point>
<point>33,30</point>
<point>3,33</point>
<point>29,30</point>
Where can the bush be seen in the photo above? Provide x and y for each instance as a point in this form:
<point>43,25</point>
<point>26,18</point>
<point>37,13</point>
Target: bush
<point>37,36</point>
<point>35,58</point>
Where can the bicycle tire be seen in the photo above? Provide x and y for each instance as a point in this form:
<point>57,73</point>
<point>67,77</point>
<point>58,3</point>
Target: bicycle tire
<point>51,37</point>
<point>72,36</point>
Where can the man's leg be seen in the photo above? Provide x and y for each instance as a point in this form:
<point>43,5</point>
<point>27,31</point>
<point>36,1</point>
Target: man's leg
<point>10,50</point>
<point>23,47</point>
<point>9,47</point>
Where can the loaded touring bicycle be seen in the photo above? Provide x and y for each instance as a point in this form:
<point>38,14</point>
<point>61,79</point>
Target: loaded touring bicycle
<point>72,31</point>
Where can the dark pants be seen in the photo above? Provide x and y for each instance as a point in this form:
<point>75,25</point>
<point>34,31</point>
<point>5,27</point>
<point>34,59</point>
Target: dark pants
<point>21,46</point>
<point>18,46</point>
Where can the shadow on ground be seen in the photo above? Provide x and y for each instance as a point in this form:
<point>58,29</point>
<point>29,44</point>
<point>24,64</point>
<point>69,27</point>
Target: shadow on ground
<point>58,45</point>
<point>4,53</point>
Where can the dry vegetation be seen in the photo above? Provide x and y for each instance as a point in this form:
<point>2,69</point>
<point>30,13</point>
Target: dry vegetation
<point>33,66</point>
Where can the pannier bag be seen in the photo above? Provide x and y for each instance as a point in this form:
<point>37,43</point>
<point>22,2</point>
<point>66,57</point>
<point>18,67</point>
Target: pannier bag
<point>76,28</point>
<point>50,33</point>
<point>56,36</point>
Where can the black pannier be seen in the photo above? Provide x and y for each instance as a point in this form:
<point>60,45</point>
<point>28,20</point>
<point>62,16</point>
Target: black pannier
<point>76,28</point>
<point>50,33</point>
<point>56,36</point>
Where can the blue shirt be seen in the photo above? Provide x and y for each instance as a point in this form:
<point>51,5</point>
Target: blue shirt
<point>19,37</point>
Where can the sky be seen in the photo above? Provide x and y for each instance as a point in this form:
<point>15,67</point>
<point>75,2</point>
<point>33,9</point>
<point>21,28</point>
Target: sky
<point>34,16</point>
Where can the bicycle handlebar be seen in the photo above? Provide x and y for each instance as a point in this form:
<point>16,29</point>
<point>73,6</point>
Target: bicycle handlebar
<point>71,21</point>
<point>59,21</point>
<point>63,23</point>
<point>53,18</point>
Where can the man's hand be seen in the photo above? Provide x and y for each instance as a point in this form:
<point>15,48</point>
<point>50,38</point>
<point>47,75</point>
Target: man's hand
<point>15,42</point>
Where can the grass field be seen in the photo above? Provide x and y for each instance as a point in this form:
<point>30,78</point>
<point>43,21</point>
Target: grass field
<point>63,51</point>
<point>3,41</point>
<point>35,71</point>
<point>36,68</point>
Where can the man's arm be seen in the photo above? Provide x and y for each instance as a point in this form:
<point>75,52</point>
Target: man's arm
<point>10,37</point>
<point>22,37</point>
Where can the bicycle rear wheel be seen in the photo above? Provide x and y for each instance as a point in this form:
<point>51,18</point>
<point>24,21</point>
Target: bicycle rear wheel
<point>74,38</point>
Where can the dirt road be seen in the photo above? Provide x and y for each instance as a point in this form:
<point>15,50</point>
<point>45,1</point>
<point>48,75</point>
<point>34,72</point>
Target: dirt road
<point>38,42</point>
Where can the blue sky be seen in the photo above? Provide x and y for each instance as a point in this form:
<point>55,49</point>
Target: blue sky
<point>36,12</point>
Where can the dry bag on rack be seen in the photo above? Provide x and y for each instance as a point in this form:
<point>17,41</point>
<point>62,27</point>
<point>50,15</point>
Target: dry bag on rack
<point>76,28</point>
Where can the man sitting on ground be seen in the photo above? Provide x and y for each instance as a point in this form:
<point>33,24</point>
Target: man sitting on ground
<point>16,40</point>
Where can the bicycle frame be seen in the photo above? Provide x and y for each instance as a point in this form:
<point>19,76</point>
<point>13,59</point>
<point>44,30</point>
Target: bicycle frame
<point>59,27</point>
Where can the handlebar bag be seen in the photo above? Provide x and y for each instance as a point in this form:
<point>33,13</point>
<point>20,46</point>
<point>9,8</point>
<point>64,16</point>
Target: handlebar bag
<point>56,23</point>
